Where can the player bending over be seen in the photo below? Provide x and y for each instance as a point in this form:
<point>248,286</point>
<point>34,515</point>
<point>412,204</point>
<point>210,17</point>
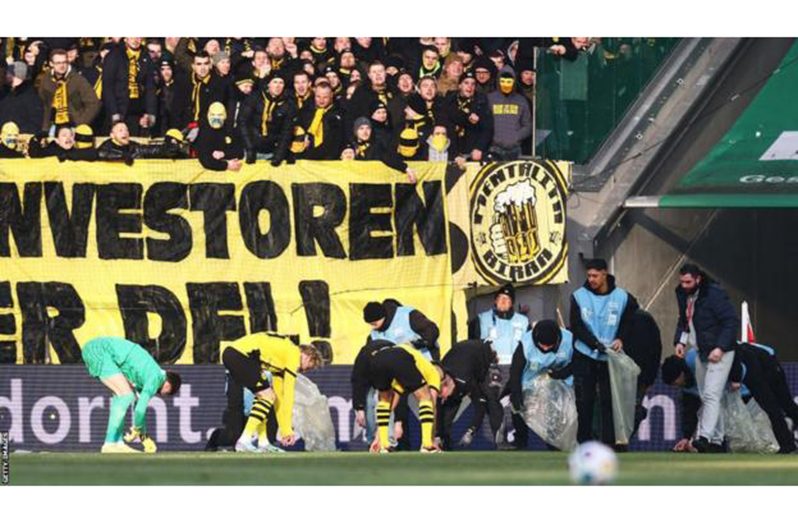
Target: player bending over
<point>125,367</point>
<point>395,370</point>
<point>249,360</point>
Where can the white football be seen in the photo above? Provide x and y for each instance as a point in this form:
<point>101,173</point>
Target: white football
<point>593,463</point>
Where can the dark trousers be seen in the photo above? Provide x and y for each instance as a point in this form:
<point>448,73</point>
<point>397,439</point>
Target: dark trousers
<point>762,380</point>
<point>592,381</point>
<point>233,419</point>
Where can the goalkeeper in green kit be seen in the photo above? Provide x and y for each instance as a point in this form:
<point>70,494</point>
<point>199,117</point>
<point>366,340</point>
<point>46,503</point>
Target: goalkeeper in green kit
<point>125,367</point>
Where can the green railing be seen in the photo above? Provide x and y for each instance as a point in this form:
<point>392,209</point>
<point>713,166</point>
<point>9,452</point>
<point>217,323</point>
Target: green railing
<point>580,102</point>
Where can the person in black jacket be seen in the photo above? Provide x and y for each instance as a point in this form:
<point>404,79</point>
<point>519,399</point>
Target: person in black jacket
<point>267,122</point>
<point>468,363</point>
<point>601,316</point>
<point>216,148</point>
<point>196,92</point>
<point>368,147</point>
<point>22,103</point>
<point>376,88</point>
<point>129,87</point>
<point>119,147</point>
<point>707,320</point>
<point>469,114</point>
<point>756,367</point>
<point>644,346</point>
<point>323,126</point>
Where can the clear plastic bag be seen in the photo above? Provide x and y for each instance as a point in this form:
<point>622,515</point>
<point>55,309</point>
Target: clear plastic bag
<point>550,410</point>
<point>623,388</point>
<point>311,417</point>
<point>747,427</point>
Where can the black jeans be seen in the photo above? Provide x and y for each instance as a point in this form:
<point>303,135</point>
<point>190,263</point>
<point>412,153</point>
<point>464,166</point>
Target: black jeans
<point>592,381</point>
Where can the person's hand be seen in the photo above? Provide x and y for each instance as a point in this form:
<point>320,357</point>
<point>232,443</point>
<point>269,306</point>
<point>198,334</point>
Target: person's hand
<point>234,165</point>
<point>265,69</point>
<point>375,446</point>
<point>217,155</point>
<point>616,345</point>
<point>476,155</point>
<point>460,162</point>
<point>716,355</point>
<point>411,175</point>
<point>682,445</point>
<point>410,114</point>
<point>288,441</point>
<point>679,350</point>
<point>116,117</point>
<point>360,418</point>
<point>734,386</point>
<point>473,118</point>
<point>557,49</point>
<point>143,121</point>
<point>398,430</point>
<point>248,54</point>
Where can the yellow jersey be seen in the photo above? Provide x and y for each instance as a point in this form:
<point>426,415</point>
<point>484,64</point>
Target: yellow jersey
<point>281,357</point>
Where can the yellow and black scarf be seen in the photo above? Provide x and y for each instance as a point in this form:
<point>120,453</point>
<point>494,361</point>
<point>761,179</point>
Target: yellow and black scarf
<point>98,83</point>
<point>301,100</point>
<point>195,93</point>
<point>316,128</point>
<point>61,102</point>
<point>133,73</point>
<point>463,105</point>
<point>361,149</point>
<point>277,64</point>
<point>383,94</point>
<point>269,106</point>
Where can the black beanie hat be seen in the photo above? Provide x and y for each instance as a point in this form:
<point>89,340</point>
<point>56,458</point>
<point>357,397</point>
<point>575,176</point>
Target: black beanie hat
<point>546,332</point>
<point>507,289</point>
<point>672,367</point>
<point>373,311</point>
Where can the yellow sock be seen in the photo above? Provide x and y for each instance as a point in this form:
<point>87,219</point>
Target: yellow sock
<point>426,415</point>
<point>260,411</point>
<point>263,437</point>
<point>383,420</point>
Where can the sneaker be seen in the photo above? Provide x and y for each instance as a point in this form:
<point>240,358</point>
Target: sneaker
<point>701,445</point>
<point>245,446</point>
<point>118,448</point>
<point>430,450</point>
<point>268,448</point>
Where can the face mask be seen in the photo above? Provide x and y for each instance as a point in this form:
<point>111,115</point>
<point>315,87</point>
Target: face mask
<point>9,135</point>
<point>506,85</point>
<point>217,114</point>
<point>438,142</point>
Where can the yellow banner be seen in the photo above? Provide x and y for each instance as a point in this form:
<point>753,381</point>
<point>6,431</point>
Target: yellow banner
<point>181,260</point>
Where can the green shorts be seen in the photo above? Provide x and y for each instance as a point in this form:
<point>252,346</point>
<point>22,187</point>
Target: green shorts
<point>99,360</point>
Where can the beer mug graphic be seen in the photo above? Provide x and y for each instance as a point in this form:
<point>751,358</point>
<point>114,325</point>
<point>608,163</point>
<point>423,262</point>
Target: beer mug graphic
<point>514,233</point>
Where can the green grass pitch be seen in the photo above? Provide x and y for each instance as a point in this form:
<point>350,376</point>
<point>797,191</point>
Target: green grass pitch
<point>410,468</point>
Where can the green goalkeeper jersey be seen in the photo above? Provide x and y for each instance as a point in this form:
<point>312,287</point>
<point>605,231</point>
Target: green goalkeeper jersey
<point>136,364</point>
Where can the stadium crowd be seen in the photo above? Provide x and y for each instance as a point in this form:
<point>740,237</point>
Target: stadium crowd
<point>233,100</point>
